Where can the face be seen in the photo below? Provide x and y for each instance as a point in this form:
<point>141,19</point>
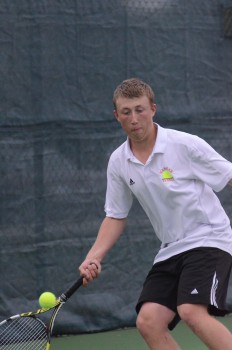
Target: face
<point>136,117</point>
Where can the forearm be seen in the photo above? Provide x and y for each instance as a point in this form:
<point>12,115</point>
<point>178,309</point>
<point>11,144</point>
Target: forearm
<point>109,232</point>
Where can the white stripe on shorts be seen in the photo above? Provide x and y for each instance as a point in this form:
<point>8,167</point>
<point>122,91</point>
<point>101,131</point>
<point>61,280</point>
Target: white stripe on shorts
<point>213,291</point>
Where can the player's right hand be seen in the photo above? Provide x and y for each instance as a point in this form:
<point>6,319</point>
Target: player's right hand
<point>89,270</point>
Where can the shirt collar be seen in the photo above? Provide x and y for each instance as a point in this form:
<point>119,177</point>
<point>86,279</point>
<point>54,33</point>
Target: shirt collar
<point>161,140</point>
<point>160,143</point>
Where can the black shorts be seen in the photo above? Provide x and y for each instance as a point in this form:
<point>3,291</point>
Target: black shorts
<point>197,276</point>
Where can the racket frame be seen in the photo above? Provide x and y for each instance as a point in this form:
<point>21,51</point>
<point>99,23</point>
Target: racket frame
<point>60,301</point>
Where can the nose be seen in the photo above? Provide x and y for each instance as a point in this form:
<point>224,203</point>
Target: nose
<point>134,118</point>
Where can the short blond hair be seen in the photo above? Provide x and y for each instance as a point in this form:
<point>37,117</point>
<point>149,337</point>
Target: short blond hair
<point>133,88</point>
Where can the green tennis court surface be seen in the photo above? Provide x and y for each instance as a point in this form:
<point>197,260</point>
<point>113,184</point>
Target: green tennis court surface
<point>127,339</point>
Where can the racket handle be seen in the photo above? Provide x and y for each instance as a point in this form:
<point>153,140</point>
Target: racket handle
<point>66,295</point>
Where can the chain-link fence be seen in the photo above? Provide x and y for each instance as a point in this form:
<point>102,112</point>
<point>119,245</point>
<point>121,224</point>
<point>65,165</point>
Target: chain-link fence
<point>60,63</point>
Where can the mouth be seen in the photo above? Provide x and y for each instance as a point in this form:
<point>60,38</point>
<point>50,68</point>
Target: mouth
<point>136,129</point>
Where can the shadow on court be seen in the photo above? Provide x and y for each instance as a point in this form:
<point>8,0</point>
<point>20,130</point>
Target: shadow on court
<point>128,339</point>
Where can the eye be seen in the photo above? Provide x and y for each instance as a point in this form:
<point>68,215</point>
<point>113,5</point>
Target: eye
<point>139,110</point>
<point>126,112</point>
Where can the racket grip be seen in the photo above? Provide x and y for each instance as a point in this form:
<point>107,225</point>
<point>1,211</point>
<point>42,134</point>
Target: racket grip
<point>66,295</point>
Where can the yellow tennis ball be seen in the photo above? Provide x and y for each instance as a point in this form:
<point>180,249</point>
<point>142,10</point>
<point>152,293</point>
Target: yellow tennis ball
<point>47,300</point>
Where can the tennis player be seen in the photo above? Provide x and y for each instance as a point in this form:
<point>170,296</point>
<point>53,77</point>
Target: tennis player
<point>174,175</point>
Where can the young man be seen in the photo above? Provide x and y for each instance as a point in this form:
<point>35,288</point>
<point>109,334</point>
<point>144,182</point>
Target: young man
<point>173,175</point>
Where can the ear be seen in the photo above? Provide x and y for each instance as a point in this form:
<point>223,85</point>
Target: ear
<point>153,107</point>
<point>116,114</point>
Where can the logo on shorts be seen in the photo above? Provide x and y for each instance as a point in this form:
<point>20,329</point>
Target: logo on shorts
<point>167,174</point>
<point>194,291</point>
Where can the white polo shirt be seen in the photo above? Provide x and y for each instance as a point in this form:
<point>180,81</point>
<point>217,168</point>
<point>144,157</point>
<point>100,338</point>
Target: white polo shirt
<point>176,190</point>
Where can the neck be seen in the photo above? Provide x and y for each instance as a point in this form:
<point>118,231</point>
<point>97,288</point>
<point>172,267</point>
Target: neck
<point>143,148</point>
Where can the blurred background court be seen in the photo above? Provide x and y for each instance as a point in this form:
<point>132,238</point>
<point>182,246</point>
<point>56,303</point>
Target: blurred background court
<point>128,339</point>
<point>60,62</point>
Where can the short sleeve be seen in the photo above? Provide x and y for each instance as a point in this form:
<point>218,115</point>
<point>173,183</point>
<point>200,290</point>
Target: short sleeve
<point>118,195</point>
<point>209,166</point>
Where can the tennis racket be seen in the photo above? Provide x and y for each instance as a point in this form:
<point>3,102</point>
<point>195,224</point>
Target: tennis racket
<point>27,331</point>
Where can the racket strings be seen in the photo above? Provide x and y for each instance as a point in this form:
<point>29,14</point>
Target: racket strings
<point>23,333</point>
